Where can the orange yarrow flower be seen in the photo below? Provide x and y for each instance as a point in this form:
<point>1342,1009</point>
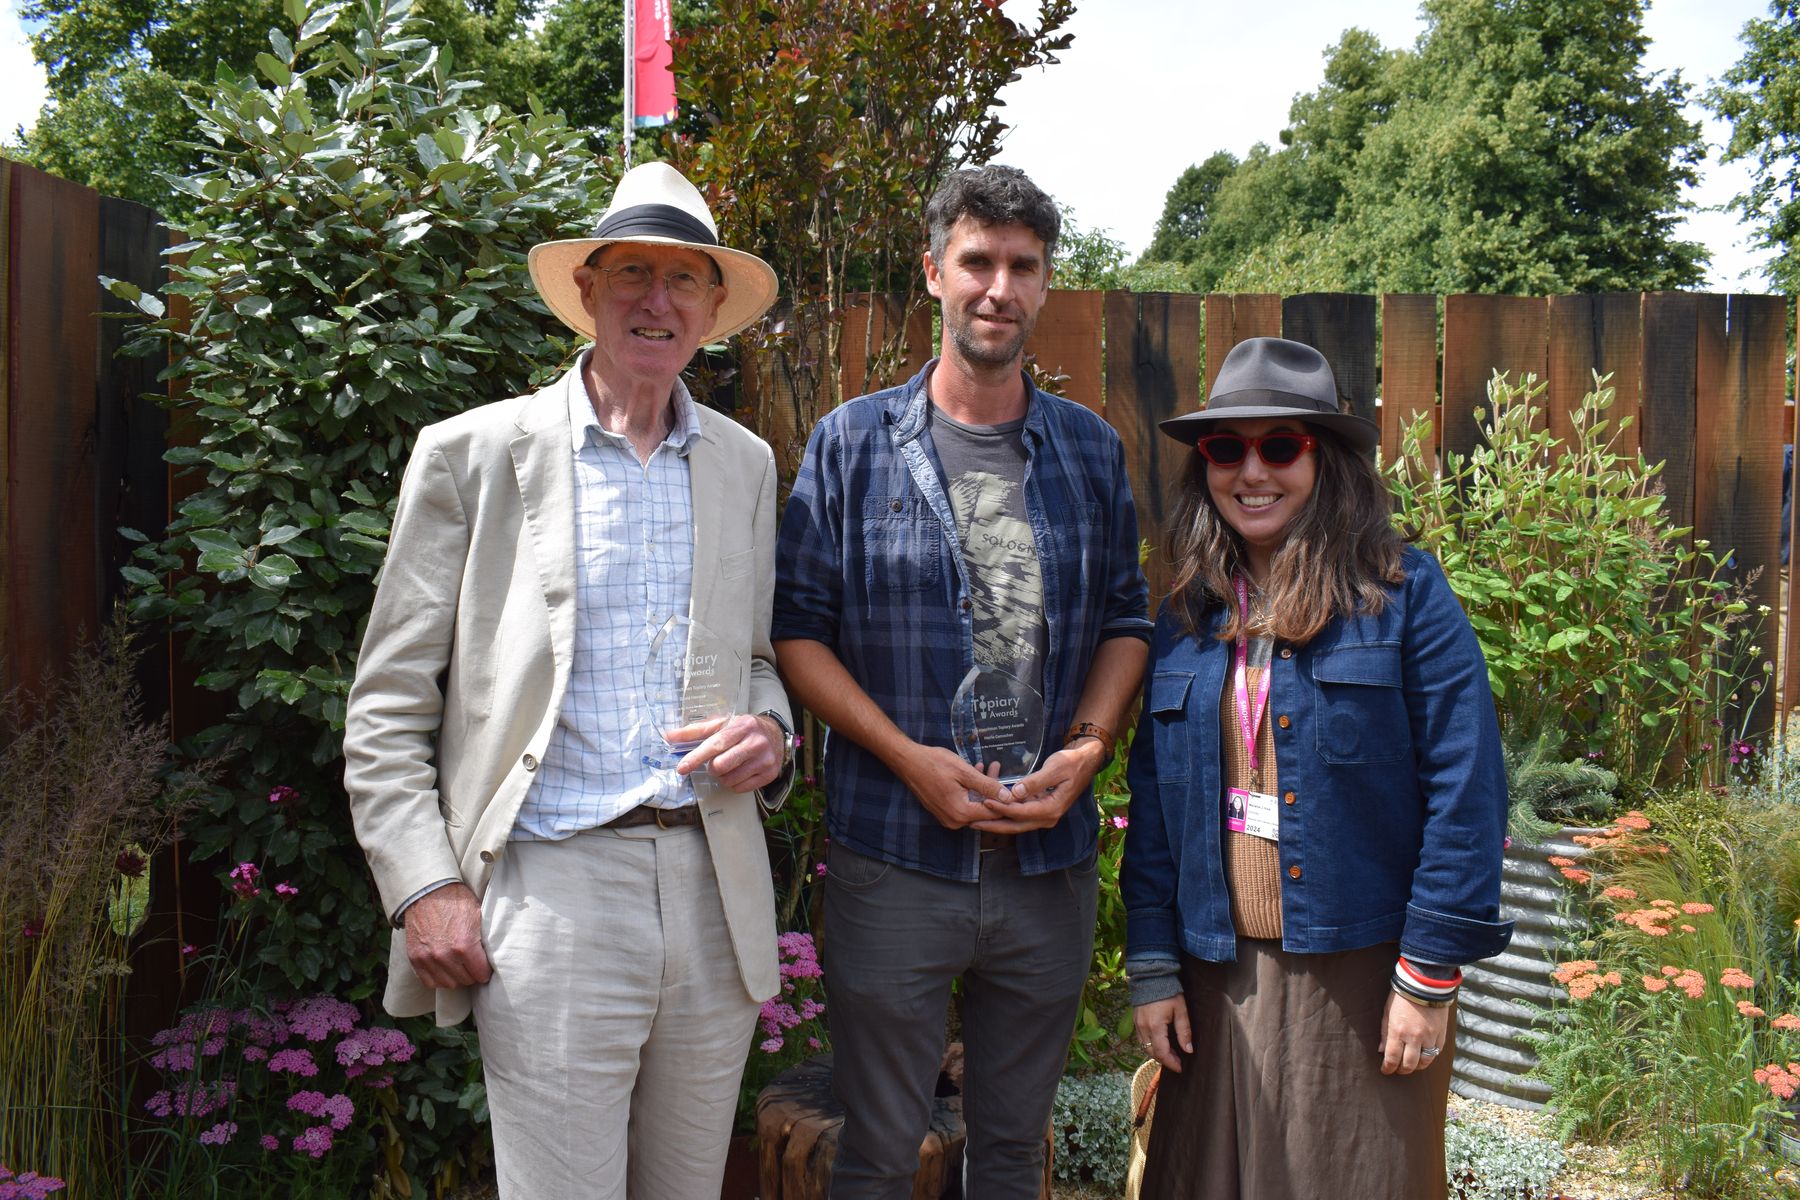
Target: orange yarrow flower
<point>1694,908</point>
<point>1747,1009</point>
<point>1559,860</point>
<point>1619,893</point>
<point>1782,1083</point>
<point>1577,874</point>
<point>1731,977</point>
<point>1653,984</point>
<point>1785,1021</point>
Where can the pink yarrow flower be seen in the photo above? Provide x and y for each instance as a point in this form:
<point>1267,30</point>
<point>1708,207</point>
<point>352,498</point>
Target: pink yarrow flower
<point>243,880</point>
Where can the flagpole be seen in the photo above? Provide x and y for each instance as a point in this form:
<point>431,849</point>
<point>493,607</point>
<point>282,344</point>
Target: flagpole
<point>630,89</point>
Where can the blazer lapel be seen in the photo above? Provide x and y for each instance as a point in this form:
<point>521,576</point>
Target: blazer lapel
<point>706,475</point>
<point>543,461</point>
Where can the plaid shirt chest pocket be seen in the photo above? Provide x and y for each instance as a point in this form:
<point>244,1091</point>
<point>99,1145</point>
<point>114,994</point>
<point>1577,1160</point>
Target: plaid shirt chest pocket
<point>902,545</point>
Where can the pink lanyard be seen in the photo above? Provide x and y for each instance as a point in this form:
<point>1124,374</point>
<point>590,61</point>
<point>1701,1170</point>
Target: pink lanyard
<point>1249,715</point>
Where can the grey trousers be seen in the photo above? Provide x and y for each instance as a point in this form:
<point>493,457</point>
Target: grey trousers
<point>895,940</point>
<point>615,1028</point>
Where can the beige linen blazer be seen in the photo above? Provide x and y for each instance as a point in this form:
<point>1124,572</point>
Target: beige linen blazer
<point>466,659</point>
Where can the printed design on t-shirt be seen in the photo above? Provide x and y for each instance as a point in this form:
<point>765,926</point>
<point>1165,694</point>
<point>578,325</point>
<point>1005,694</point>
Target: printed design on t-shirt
<point>1006,580</point>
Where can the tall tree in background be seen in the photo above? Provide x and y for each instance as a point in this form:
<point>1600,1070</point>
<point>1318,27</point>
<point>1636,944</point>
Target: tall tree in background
<point>1760,96</point>
<point>1520,146</point>
<point>120,74</point>
<point>828,126</point>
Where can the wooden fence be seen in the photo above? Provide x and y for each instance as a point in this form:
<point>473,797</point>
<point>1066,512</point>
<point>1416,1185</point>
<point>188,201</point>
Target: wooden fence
<point>1704,377</point>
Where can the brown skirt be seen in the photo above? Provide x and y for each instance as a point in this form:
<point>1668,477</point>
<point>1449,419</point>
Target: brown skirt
<point>1284,1095</point>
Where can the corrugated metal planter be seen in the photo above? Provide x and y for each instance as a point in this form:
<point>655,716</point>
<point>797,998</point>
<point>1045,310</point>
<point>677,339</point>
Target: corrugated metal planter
<point>1491,1059</point>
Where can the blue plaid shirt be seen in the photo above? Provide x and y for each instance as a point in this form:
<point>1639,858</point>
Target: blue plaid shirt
<point>870,565</point>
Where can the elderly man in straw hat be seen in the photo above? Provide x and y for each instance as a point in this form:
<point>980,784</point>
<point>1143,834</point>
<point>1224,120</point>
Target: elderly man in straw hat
<point>605,912</point>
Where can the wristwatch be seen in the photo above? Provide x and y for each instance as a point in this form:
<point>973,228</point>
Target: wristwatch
<point>788,741</point>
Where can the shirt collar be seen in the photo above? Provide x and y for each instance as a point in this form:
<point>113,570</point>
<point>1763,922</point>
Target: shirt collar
<point>681,437</point>
<point>915,406</point>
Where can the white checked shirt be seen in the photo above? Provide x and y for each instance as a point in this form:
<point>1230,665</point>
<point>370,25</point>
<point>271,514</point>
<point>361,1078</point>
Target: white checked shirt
<point>634,547</point>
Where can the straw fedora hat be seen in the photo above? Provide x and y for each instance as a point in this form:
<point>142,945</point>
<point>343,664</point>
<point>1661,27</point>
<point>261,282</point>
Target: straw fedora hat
<point>656,205</point>
<point>1274,377</point>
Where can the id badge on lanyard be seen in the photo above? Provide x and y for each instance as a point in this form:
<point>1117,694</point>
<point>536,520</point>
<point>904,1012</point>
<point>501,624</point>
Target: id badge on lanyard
<point>1250,810</point>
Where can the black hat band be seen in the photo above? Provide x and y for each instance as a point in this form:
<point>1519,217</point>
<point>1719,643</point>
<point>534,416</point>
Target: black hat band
<point>656,220</point>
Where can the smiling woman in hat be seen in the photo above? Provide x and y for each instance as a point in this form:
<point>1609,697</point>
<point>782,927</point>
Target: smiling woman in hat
<point>609,921</point>
<point>1318,806</point>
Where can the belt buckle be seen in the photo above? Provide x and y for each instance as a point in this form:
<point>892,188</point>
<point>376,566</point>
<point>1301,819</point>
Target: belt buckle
<point>659,817</point>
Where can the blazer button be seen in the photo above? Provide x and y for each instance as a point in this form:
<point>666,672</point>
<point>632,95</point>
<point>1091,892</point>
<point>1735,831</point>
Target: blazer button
<point>1287,798</point>
<point>1283,721</point>
<point>488,856</point>
<point>531,761</point>
<point>1294,872</point>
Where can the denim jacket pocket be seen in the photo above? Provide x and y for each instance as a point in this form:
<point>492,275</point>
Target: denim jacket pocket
<point>1167,701</point>
<point>1362,714</point>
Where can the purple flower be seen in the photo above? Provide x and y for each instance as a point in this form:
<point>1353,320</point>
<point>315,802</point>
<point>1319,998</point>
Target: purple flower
<point>819,870</point>
<point>130,864</point>
<point>1741,752</point>
<point>1119,822</point>
<point>284,888</point>
<point>269,1141</point>
<point>318,1017</point>
<point>27,1186</point>
<point>373,1047</point>
<point>243,880</point>
<point>189,950</point>
<point>771,1046</point>
<point>297,1061</point>
<point>315,1141</point>
<point>219,1134</point>
<point>813,1043</point>
<point>32,928</point>
<point>336,1108</point>
<point>283,795</point>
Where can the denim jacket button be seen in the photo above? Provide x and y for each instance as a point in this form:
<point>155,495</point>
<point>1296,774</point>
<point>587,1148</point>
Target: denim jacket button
<point>966,605</point>
<point>1283,721</point>
<point>1287,652</point>
<point>895,505</point>
<point>1287,798</point>
<point>1294,871</point>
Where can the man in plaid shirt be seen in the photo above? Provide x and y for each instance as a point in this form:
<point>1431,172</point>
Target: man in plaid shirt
<point>964,520</point>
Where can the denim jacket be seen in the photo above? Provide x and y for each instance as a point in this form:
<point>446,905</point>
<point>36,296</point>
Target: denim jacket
<point>1393,812</point>
<point>870,564</point>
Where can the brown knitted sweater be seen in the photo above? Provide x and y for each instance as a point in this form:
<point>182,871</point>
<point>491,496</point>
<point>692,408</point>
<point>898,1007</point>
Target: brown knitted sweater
<point>1252,864</point>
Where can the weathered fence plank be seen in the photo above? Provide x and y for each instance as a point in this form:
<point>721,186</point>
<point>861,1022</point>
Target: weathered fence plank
<point>1340,326</point>
<point>54,591</point>
<point>1668,397</point>
<point>1152,372</point>
<point>1232,317</point>
<point>860,342</point>
<point>1737,451</point>
<point>1586,334</point>
<point>1409,368</point>
<point>1484,334</point>
<point>1067,342</point>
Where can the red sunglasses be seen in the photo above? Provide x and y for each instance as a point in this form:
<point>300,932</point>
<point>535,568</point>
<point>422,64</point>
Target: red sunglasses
<point>1275,449</point>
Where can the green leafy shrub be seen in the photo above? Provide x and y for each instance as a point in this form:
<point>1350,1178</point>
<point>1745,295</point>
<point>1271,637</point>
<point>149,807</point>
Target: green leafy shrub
<point>1489,1162</point>
<point>354,270</point>
<point>1547,791</point>
<point>1090,1126</point>
<point>1595,615</point>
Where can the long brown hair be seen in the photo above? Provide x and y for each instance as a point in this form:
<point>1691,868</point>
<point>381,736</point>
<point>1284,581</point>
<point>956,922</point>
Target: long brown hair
<point>1340,556</point>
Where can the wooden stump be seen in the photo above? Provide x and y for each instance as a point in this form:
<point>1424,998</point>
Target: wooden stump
<point>797,1126</point>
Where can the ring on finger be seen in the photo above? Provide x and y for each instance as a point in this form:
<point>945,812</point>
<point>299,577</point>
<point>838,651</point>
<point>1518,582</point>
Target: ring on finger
<point>1431,1051</point>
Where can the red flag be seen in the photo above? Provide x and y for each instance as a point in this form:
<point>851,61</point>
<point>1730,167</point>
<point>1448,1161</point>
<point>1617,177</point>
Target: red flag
<point>655,79</point>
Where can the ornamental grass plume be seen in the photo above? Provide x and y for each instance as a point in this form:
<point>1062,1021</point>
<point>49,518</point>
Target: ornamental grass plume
<point>87,805</point>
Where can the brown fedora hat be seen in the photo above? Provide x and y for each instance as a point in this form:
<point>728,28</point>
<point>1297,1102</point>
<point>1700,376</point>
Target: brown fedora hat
<point>1274,377</point>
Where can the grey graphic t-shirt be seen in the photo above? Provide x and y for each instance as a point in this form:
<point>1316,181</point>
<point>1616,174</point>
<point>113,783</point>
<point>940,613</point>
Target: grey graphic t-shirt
<point>984,470</point>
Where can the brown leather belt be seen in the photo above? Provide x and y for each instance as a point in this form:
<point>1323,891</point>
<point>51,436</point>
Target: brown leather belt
<point>995,841</point>
<point>662,818</point>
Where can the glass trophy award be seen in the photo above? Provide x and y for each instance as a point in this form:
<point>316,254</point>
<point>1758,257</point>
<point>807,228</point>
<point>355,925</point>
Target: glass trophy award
<point>998,718</point>
<point>691,678</point>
